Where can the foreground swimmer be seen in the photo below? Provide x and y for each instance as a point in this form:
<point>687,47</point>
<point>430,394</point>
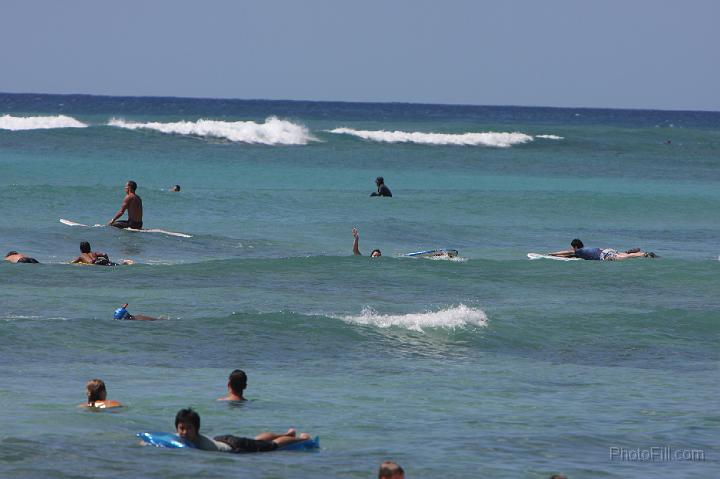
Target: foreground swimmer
<point>187,426</point>
<point>356,248</point>
<point>133,205</point>
<point>88,256</point>
<point>15,257</point>
<point>97,396</point>
<point>599,254</point>
<point>122,313</point>
<point>391,470</point>
<point>237,382</point>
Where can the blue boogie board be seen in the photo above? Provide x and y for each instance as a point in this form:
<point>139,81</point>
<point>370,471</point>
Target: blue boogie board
<point>173,441</point>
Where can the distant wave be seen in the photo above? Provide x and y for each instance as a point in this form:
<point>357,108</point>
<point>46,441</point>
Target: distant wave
<point>500,140</point>
<point>454,317</point>
<point>273,132</point>
<point>16,123</point>
<point>550,137</point>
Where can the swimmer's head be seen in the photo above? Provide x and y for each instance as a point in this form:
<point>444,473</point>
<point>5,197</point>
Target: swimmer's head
<point>577,244</point>
<point>379,180</point>
<point>85,247</point>
<point>391,470</point>
<point>95,391</point>
<point>375,253</point>
<point>237,381</point>
<point>10,253</point>
<point>175,188</point>
<point>187,424</point>
<point>131,185</point>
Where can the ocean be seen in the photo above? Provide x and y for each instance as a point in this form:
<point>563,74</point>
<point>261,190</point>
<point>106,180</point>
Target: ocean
<point>486,365</point>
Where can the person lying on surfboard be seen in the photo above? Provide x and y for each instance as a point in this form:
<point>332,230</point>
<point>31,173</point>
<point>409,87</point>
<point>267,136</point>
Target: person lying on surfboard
<point>133,205</point>
<point>356,248</point>
<point>187,426</point>
<point>88,256</point>
<point>600,254</point>
<point>15,257</point>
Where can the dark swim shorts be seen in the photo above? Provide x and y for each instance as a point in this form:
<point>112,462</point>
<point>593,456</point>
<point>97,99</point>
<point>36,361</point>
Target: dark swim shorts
<point>136,225</point>
<point>244,444</point>
<point>27,259</point>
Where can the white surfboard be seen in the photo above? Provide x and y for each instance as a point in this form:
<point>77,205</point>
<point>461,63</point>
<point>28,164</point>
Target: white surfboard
<point>149,230</point>
<point>547,256</point>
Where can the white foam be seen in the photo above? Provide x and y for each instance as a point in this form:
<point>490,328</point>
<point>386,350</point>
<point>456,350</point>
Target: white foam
<point>496,139</point>
<point>273,132</point>
<point>453,317</point>
<point>17,123</point>
<point>550,137</point>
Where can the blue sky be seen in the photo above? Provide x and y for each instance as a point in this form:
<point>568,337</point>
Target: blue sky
<point>610,53</point>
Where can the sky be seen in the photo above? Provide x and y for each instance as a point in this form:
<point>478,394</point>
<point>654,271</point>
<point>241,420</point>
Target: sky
<point>654,54</point>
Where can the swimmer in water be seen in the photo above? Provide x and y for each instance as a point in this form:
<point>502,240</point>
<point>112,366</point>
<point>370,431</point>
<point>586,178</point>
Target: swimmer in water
<point>88,256</point>
<point>237,382</point>
<point>600,254</point>
<point>187,426</point>
<point>133,205</point>
<point>15,257</point>
<point>391,470</point>
<point>97,396</point>
<point>356,248</point>
<point>382,189</point>
<point>175,188</point>
<point>123,313</point>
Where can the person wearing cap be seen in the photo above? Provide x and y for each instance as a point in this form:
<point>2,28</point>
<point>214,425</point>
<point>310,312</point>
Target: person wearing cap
<point>382,189</point>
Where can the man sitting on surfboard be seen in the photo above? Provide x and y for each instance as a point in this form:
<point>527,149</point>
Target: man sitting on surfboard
<point>133,204</point>
<point>599,254</point>
<point>187,426</point>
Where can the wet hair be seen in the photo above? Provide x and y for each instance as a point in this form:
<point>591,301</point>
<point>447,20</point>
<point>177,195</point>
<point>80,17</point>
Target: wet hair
<point>188,416</point>
<point>379,180</point>
<point>238,381</point>
<point>576,243</point>
<point>132,185</point>
<point>10,253</point>
<point>176,188</point>
<point>388,469</point>
<point>378,251</point>
<point>95,391</point>
<point>85,247</point>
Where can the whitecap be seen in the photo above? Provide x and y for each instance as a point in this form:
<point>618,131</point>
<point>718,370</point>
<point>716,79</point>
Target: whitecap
<point>550,137</point>
<point>17,123</point>
<point>273,132</point>
<point>450,318</point>
<point>496,139</point>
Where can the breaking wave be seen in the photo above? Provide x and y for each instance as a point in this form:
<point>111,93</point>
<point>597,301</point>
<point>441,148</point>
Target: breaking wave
<point>16,123</point>
<point>550,137</point>
<point>454,317</point>
<point>499,140</point>
<point>273,132</point>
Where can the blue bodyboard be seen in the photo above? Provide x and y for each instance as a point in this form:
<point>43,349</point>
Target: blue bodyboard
<point>164,439</point>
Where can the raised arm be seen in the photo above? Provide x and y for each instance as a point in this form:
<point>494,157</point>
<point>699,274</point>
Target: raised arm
<point>356,240</point>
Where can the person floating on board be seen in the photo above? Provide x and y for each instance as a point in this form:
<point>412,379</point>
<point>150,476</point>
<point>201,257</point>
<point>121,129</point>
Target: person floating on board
<point>15,257</point>
<point>237,382</point>
<point>133,205</point>
<point>97,396</point>
<point>356,248</point>
<point>600,254</point>
<point>88,256</point>
<point>187,426</point>
<point>123,313</point>
<point>382,189</point>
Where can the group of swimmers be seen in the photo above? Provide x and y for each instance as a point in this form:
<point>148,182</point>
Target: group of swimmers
<point>187,425</point>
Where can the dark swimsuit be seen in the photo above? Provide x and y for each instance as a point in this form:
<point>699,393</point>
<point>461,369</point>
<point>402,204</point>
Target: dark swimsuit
<point>244,444</point>
<point>27,259</point>
<point>136,225</point>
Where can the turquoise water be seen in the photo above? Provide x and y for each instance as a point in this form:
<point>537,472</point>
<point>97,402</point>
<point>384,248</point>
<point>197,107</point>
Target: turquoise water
<point>491,365</point>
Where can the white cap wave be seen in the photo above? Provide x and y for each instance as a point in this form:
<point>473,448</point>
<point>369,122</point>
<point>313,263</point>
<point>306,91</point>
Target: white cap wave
<point>17,123</point>
<point>550,137</point>
<point>450,318</point>
<point>273,132</point>
<point>496,139</point>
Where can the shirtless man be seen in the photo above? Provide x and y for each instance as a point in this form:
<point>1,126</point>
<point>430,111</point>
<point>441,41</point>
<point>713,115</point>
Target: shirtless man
<point>15,257</point>
<point>600,254</point>
<point>237,382</point>
<point>133,204</point>
<point>88,256</point>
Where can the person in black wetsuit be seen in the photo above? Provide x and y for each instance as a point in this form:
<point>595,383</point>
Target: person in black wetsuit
<point>15,257</point>
<point>382,189</point>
